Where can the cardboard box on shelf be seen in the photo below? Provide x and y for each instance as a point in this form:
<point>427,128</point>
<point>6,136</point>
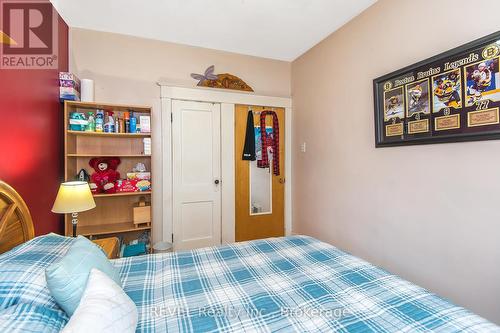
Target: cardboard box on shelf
<point>69,87</point>
<point>145,124</point>
<point>142,212</point>
<point>139,175</point>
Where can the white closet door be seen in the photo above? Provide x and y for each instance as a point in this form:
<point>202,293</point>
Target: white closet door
<point>196,174</point>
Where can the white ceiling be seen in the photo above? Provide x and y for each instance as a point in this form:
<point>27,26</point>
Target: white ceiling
<point>277,29</point>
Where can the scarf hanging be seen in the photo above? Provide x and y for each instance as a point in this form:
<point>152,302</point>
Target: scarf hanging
<point>275,144</point>
<point>249,147</point>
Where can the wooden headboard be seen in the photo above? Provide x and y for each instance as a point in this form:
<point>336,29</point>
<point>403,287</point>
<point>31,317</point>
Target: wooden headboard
<point>16,225</point>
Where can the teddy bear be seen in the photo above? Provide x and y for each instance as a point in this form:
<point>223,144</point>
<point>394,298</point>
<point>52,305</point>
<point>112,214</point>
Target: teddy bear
<point>105,175</point>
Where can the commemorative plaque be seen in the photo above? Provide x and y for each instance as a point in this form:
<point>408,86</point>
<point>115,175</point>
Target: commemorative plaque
<point>454,96</point>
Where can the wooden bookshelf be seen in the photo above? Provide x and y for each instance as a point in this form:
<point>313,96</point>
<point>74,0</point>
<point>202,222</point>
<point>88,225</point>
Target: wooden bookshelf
<point>113,215</point>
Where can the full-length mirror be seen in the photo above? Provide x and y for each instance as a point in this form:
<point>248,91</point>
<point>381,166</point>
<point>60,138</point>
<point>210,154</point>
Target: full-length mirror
<point>260,190</point>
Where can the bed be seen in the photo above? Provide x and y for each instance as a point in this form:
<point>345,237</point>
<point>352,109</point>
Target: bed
<point>288,284</point>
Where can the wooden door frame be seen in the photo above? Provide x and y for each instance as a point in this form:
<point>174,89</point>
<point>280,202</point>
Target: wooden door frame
<point>228,99</point>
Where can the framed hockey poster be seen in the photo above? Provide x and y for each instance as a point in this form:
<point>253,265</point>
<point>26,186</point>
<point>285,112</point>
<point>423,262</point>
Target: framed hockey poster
<point>454,96</point>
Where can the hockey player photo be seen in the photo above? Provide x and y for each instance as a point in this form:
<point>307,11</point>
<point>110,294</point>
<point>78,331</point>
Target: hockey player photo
<point>417,97</point>
<point>446,90</point>
<point>482,82</point>
<point>393,104</point>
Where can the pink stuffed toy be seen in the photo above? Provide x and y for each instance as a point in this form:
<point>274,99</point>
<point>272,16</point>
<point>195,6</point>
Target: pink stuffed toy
<point>105,175</point>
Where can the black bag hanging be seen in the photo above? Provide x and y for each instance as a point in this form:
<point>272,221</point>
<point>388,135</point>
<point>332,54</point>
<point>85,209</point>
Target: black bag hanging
<point>249,148</point>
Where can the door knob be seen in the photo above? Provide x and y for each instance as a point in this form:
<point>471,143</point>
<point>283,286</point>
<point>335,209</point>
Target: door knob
<point>217,182</point>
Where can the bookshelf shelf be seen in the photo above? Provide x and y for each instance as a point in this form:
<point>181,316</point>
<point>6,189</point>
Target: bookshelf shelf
<point>107,229</point>
<point>121,194</point>
<point>109,155</point>
<point>106,106</point>
<point>109,135</point>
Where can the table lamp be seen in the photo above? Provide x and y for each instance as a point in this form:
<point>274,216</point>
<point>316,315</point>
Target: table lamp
<point>73,197</point>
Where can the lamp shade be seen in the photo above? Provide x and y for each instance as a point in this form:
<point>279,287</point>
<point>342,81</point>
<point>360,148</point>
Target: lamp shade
<point>73,197</point>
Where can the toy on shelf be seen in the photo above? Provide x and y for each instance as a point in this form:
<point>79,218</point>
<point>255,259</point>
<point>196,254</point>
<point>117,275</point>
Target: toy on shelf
<point>105,175</point>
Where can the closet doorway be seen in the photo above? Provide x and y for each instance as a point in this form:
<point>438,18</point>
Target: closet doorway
<point>196,173</point>
<point>259,192</point>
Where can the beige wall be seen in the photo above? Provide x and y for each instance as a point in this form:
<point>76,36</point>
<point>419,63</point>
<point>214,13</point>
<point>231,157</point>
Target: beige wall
<point>126,69</point>
<point>428,213</point>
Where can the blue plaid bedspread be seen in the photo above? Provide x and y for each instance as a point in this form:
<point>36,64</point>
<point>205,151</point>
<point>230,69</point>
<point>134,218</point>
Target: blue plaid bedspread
<point>290,284</point>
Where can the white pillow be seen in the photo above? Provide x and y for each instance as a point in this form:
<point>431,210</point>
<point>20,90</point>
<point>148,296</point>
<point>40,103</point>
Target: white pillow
<point>104,307</point>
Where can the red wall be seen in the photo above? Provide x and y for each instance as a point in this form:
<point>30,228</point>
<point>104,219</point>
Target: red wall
<point>31,139</point>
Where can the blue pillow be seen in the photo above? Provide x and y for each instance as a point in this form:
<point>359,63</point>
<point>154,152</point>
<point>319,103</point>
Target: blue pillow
<point>68,277</point>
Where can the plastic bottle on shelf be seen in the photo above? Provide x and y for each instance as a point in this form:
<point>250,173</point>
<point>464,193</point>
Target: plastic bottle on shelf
<point>109,126</point>
<point>91,123</point>
<point>127,122</point>
<point>133,123</point>
<point>122,125</point>
<point>106,122</point>
<point>111,121</point>
<point>99,121</point>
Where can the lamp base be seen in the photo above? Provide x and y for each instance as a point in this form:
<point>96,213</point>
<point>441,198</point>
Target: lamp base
<point>74,222</point>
